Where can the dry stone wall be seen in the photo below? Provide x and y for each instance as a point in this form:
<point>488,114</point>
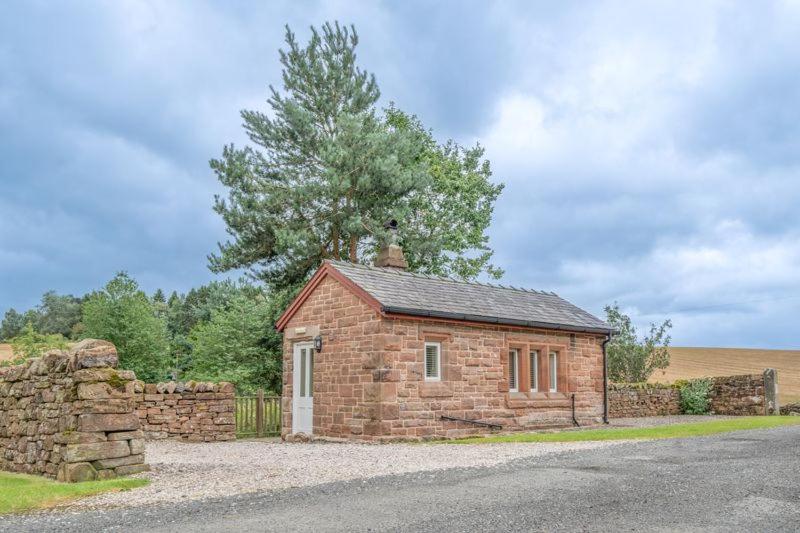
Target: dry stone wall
<point>729,395</point>
<point>70,415</point>
<point>642,399</point>
<point>189,411</point>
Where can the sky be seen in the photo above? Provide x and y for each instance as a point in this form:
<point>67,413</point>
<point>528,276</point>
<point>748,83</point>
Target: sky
<point>650,151</point>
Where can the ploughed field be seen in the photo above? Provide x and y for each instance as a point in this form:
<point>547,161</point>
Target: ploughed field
<point>686,363</point>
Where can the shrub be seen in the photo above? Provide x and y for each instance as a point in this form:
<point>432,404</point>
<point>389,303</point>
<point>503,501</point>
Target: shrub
<point>694,396</point>
<point>30,343</point>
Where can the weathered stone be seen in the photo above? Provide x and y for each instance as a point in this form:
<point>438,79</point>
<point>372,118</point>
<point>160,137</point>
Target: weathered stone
<point>126,435</point>
<point>137,445</point>
<point>108,422</point>
<point>106,474</point>
<point>131,469</point>
<point>77,472</point>
<point>99,450</point>
<point>90,353</point>
<point>119,461</point>
<point>91,375</point>
<point>78,437</point>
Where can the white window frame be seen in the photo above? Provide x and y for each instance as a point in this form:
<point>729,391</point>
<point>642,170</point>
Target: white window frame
<point>534,361</point>
<point>513,368</point>
<point>438,376</point>
<point>553,368</point>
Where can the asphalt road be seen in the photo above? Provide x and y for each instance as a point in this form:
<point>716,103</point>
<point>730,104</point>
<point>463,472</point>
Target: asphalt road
<point>746,481</point>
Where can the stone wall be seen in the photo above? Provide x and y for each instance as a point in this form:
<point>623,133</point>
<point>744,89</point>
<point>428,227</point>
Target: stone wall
<point>791,409</point>
<point>729,395</point>
<point>189,411</point>
<point>738,395</point>
<point>642,399</point>
<point>369,384</point>
<point>70,415</point>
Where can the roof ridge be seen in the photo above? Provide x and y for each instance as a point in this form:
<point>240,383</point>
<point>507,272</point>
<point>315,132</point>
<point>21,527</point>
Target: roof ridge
<point>400,272</point>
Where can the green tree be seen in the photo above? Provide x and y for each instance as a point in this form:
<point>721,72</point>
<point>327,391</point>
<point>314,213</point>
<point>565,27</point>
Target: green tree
<point>326,171</point>
<point>13,322</point>
<point>238,344</point>
<point>445,233</point>
<point>30,343</point>
<point>631,360</point>
<point>58,314</point>
<point>123,315</point>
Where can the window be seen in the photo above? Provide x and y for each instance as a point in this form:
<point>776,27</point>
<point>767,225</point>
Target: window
<point>534,355</point>
<point>513,378</point>
<point>433,361</point>
<point>553,371</point>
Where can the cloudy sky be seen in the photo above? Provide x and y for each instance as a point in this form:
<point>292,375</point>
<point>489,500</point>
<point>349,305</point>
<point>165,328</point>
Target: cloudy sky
<point>651,155</point>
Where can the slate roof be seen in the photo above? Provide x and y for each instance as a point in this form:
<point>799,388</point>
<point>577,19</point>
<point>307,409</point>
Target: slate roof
<point>419,295</point>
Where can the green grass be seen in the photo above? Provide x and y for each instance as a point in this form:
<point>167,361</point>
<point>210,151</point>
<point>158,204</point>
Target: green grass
<point>20,492</point>
<point>694,429</point>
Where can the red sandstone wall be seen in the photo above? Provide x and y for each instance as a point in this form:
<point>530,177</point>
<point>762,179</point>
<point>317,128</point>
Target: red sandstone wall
<point>368,381</point>
<point>349,329</point>
<point>475,379</point>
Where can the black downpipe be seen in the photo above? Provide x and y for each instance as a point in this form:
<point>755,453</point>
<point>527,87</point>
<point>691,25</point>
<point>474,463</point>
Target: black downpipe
<point>574,420</point>
<point>605,379</point>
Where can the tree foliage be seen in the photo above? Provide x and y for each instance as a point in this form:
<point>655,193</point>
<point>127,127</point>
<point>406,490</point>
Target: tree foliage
<point>59,314</point>
<point>238,344</point>
<point>326,171</point>
<point>123,315</point>
<point>12,325</point>
<point>30,343</point>
<point>631,360</point>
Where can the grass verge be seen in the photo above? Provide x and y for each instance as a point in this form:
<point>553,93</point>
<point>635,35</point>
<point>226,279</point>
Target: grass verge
<point>693,429</point>
<point>20,492</point>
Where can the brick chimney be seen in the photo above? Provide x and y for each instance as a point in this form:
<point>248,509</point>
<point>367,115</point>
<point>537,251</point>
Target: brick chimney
<point>391,255</point>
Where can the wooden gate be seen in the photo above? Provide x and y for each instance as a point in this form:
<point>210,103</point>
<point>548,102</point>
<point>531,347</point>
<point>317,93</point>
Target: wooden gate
<point>258,416</point>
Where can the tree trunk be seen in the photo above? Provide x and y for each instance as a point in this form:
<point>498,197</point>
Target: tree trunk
<point>353,249</point>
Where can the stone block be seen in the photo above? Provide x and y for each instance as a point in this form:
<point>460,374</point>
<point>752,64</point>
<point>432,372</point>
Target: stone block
<point>76,472</point>
<point>92,375</point>
<point>78,437</point>
<point>119,461</point>
<point>100,450</point>
<point>137,446</point>
<point>91,353</point>
<point>126,435</point>
<point>108,422</point>
<point>131,469</point>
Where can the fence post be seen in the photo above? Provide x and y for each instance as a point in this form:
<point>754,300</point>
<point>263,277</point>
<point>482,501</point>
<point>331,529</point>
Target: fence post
<point>260,413</point>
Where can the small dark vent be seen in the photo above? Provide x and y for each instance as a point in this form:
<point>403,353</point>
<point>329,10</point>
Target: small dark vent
<point>572,342</point>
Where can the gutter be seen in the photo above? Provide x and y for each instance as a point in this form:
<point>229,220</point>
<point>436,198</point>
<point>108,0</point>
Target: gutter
<point>605,378</point>
<point>493,320</point>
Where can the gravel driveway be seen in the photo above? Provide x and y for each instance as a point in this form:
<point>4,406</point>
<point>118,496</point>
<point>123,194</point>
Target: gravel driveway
<point>187,471</point>
<point>193,471</point>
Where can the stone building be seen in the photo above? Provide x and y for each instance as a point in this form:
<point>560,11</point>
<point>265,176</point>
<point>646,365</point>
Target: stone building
<point>378,353</point>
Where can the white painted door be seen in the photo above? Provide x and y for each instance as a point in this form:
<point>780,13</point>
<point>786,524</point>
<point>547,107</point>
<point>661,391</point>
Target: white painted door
<point>303,387</point>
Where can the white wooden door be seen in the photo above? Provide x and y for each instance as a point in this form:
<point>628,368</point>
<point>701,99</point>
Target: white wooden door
<point>303,389</point>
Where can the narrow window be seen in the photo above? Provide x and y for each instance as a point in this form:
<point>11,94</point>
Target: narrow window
<point>310,373</point>
<point>513,382</point>
<point>534,370</point>
<point>433,361</point>
<point>303,372</point>
<point>553,371</point>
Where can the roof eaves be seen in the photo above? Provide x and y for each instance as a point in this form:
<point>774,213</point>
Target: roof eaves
<point>496,320</point>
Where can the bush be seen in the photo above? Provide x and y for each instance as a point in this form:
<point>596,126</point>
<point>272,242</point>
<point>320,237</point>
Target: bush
<point>694,396</point>
<point>30,343</point>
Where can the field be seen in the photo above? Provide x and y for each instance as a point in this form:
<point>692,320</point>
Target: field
<point>700,362</point>
<point>5,352</point>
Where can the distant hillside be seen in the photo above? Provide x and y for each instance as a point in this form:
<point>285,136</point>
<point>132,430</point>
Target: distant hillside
<point>698,362</point>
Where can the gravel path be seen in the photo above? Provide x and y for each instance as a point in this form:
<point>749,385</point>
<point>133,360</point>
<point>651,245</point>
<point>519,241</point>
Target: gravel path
<point>186,471</point>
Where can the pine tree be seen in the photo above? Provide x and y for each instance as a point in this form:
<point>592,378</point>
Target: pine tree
<point>326,171</point>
